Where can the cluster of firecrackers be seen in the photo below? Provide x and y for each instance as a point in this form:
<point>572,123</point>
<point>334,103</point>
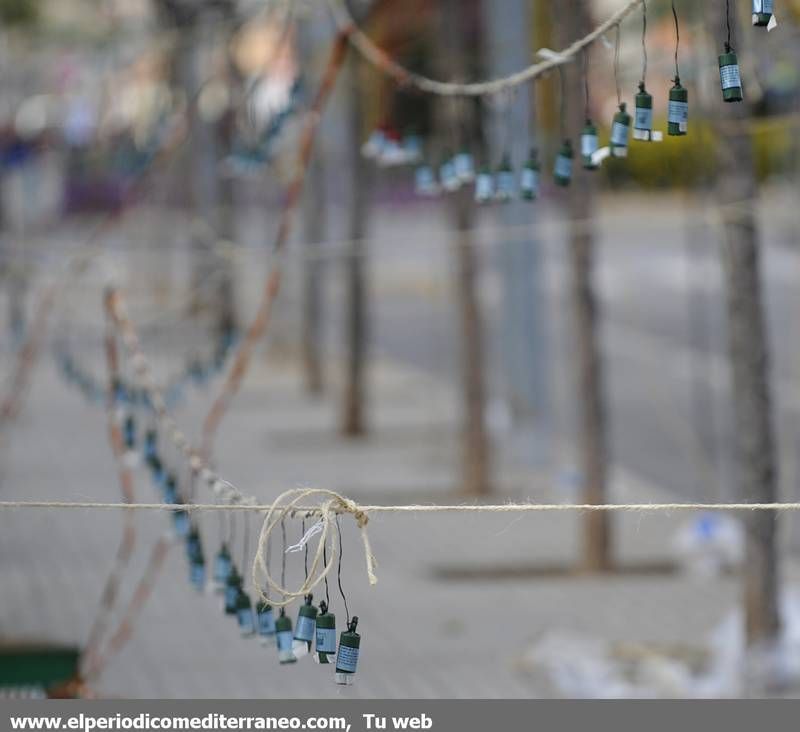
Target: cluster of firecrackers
<point>198,371</point>
<point>315,629</point>
<point>507,181</point>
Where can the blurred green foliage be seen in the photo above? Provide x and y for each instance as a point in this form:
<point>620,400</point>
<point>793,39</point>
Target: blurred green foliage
<point>688,161</point>
<point>19,12</point>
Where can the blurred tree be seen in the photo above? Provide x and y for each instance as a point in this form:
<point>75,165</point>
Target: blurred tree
<point>735,191</point>
<point>19,12</point>
<point>592,427</point>
<point>459,46</point>
<point>314,215</point>
<point>198,26</point>
<point>353,414</point>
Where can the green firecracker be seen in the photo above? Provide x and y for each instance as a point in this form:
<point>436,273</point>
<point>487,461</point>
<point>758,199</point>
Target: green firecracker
<point>620,131</point>
<point>284,638</point>
<point>643,115</point>
<point>347,656</point>
<point>529,177</point>
<point>762,12</point>
<point>504,180</point>
<point>326,634</point>
<point>729,76</point>
<point>589,145</point>
<point>678,110</point>
<point>562,170</point>
<point>306,621</point>
<point>233,586</point>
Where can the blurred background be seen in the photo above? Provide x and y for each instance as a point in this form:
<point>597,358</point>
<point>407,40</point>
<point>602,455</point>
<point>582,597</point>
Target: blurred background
<point>628,338</point>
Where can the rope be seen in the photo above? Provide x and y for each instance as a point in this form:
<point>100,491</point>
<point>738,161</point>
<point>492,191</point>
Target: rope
<point>287,503</point>
<point>383,62</point>
<point>333,504</point>
<point>349,506</point>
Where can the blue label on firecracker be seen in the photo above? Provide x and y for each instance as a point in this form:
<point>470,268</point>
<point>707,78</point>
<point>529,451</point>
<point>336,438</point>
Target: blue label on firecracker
<point>284,639</point>
<point>762,6</point>
<point>483,187</point>
<point>619,134</point>
<point>643,119</point>
<point>563,167</point>
<point>589,145</point>
<point>463,165</point>
<point>231,593</point>
<point>222,567</point>
<point>305,628</point>
<point>245,616</point>
<point>326,640</point>
<point>505,183</point>
<point>729,76</point>
<point>198,575</point>
<point>529,180</point>
<point>678,113</point>
<point>266,622</point>
<point>347,659</point>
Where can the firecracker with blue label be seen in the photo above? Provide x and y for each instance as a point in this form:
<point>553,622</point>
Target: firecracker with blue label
<point>590,143</point>
<point>762,12</point>
<point>447,174</point>
<point>620,132</point>
<point>325,634</point>
<point>484,185</point>
<point>306,621</point>
<point>425,181</point>
<point>284,638</point>
<point>265,620</point>
<point>729,76</point>
<point>678,109</point>
<point>643,115</point>
<point>562,169</point>
<point>464,166</point>
<point>504,181</point>
<point>233,584</point>
<point>197,569</point>
<point>347,655</point>
<point>529,177</point>
<point>244,615</point>
<point>222,566</point>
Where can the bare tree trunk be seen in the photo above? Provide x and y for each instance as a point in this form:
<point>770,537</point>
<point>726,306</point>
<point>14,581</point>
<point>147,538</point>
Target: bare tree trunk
<point>224,290</point>
<point>315,221</point>
<point>312,276</point>
<point>592,435</point>
<point>475,448</point>
<point>475,440</point>
<point>354,397</point>
<point>756,465</point>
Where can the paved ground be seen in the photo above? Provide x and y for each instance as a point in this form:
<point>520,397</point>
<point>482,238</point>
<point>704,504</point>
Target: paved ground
<point>429,628</point>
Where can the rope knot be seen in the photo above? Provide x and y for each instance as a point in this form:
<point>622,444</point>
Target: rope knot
<point>347,505</point>
<point>288,504</point>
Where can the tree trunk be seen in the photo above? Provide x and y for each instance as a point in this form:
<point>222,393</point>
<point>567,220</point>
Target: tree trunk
<point>475,440</point>
<point>460,22</point>
<point>592,426</point>
<point>354,396</point>
<point>312,276</point>
<point>756,466</point>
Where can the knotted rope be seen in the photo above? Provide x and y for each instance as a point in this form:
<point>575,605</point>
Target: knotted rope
<point>288,504</point>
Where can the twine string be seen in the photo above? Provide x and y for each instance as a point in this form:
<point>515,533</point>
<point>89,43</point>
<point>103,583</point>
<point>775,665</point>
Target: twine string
<point>288,504</point>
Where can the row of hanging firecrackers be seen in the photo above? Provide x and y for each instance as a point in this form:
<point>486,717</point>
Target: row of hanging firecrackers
<point>312,625</point>
<point>502,184</point>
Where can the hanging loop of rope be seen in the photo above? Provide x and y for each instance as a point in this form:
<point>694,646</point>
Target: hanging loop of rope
<point>286,505</point>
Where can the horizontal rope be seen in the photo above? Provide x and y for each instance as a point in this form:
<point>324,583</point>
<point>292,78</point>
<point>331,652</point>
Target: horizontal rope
<point>411,508</point>
<point>382,61</point>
